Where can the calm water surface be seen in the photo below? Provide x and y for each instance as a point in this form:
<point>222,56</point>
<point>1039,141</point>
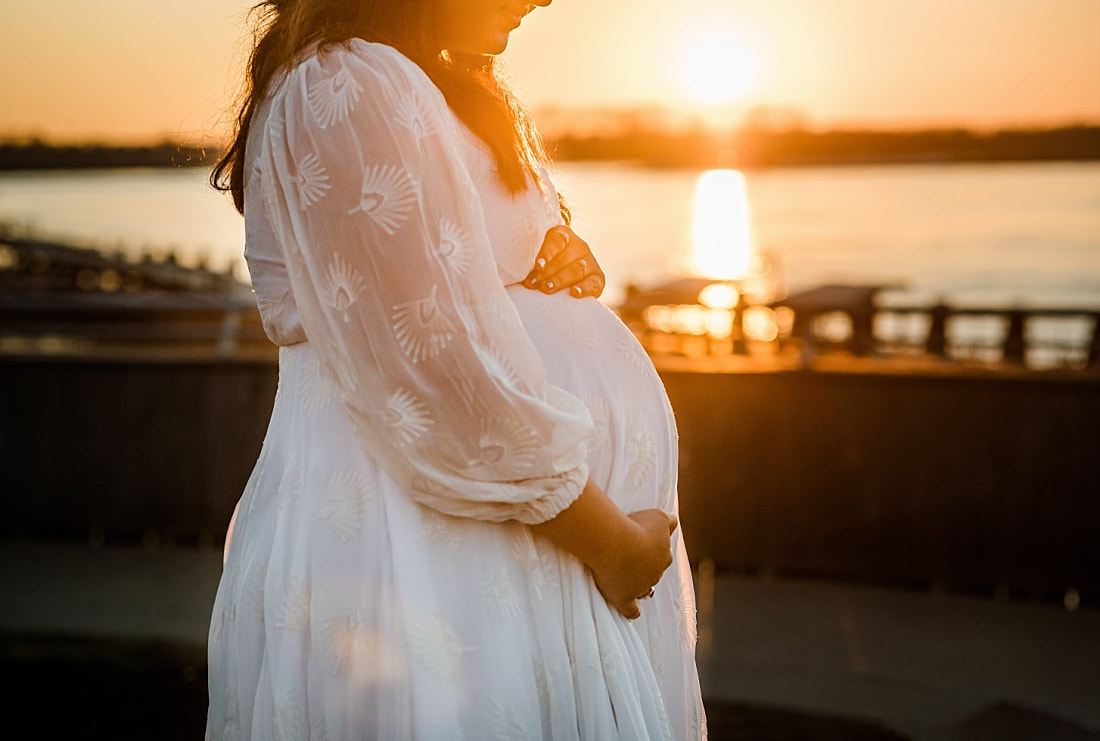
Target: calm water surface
<point>973,234</point>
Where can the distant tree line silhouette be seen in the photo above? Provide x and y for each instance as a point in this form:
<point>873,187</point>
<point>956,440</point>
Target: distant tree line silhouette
<point>750,146</point>
<point>755,147</point>
<point>41,155</point>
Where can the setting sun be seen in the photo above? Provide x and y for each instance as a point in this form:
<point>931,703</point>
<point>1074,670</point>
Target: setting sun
<point>718,67</point>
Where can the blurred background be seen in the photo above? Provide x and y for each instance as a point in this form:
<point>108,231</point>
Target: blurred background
<point>859,238</point>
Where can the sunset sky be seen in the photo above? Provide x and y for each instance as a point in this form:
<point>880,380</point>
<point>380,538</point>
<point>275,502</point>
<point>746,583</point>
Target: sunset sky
<point>132,70</point>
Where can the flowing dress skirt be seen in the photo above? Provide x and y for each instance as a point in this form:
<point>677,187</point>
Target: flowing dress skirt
<point>347,611</point>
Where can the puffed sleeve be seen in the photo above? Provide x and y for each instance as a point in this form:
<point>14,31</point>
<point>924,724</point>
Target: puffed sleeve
<point>391,269</point>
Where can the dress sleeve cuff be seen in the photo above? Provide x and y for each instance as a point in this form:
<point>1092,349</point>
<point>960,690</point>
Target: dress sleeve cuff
<point>557,501</point>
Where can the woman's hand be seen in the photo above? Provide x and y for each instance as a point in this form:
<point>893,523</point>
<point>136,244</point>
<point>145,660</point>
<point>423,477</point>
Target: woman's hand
<point>565,261</point>
<point>625,553</point>
<point>632,568</point>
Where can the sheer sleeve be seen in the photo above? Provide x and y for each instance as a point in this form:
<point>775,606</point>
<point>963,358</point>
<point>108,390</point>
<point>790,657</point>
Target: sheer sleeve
<point>390,266</point>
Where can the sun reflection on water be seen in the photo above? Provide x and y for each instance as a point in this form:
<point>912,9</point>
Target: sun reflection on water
<point>723,237</point>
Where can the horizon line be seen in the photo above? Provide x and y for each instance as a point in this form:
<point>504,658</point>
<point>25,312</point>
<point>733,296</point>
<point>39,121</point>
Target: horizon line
<point>693,123</point>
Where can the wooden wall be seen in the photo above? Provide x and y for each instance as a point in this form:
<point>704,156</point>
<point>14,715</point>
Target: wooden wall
<point>129,449</point>
<point>964,482</point>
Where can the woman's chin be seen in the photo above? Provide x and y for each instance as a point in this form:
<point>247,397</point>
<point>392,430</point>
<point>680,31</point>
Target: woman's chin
<point>496,46</point>
<point>492,44</point>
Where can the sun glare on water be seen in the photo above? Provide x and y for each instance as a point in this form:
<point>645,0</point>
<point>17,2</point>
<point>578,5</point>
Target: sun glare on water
<point>717,67</point>
<point>723,236</point>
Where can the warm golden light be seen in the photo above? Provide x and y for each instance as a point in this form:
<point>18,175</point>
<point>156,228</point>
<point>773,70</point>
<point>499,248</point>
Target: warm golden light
<point>723,240</point>
<point>759,323</point>
<point>718,68</point>
<point>869,67</point>
<point>719,296</point>
<point>690,319</point>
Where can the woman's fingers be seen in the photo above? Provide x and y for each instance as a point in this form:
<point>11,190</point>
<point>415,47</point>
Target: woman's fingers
<point>592,286</point>
<point>555,242</point>
<point>573,274</point>
<point>637,562</point>
<point>630,610</point>
<point>582,272</point>
<point>655,520</point>
<point>561,248</point>
<point>565,262</point>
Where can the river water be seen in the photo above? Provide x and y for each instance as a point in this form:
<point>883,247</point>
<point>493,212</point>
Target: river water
<point>971,234</point>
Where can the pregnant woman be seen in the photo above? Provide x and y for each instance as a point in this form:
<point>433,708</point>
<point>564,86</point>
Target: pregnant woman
<point>433,543</point>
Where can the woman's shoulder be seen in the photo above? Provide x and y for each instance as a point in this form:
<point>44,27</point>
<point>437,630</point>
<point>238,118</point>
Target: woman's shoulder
<point>364,62</point>
<point>358,89</point>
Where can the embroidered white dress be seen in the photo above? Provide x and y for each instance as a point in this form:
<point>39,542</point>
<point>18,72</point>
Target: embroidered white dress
<point>380,580</point>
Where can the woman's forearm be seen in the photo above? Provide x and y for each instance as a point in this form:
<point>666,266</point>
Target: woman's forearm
<point>592,528</point>
<point>626,553</point>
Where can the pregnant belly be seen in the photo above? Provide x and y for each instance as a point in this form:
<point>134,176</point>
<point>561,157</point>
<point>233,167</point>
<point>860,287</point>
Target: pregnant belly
<point>588,352</point>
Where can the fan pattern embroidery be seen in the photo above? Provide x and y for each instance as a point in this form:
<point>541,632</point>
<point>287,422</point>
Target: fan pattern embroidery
<point>387,197</point>
<point>421,328</point>
<point>333,97</point>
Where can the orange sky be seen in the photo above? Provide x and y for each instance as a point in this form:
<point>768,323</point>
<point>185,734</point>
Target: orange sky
<point>136,69</point>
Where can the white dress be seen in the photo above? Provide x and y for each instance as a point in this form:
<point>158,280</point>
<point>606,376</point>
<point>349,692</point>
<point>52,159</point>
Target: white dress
<point>380,580</point>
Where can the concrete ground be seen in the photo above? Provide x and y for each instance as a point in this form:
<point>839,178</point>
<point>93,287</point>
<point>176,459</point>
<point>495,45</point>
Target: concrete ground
<point>929,666</point>
<point>779,659</point>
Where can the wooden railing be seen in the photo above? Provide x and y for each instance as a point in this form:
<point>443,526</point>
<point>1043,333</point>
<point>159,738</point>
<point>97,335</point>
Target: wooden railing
<point>1011,338</point>
<point>1016,345</point>
<point>854,320</point>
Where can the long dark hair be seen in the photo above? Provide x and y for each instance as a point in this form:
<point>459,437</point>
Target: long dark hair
<point>470,84</point>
